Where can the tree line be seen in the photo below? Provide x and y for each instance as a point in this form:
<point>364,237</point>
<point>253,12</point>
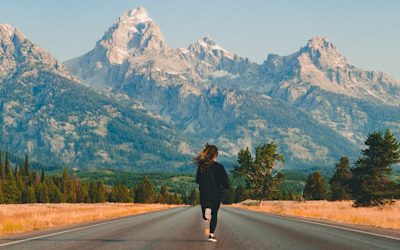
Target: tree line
<point>367,183</point>
<point>20,184</point>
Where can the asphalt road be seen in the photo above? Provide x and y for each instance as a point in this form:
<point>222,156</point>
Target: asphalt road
<point>183,228</point>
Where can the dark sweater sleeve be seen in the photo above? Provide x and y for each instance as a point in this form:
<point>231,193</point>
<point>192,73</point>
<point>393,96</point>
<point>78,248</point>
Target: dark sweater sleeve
<point>223,176</point>
<point>198,176</point>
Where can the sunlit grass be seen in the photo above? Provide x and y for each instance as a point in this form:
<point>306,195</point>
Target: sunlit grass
<point>28,217</point>
<point>338,211</point>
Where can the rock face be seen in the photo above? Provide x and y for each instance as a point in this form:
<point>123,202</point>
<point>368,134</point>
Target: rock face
<point>45,113</point>
<point>319,64</point>
<point>148,103</point>
<point>315,104</point>
<point>17,52</point>
<point>318,80</point>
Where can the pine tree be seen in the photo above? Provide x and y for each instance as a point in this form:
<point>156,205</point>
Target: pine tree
<point>68,187</point>
<point>31,194</point>
<point>2,170</point>
<point>1,192</point>
<point>16,172</point>
<point>42,193</point>
<point>64,178</point>
<point>163,196</point>
<point>28,195</point>
<point>26,166</point>
<point>119,193</point>
<point>258,171</point>
<point>55,194</point>
<point>10,191</point>
<point>277,191</point>
<point>132,194</point>
<point>228,195</point>
<point>340,181</point>
<point>93,192</point>
<point>240,194</point>
<point>194,197</point>
<point>370,183</point>
<point>174,199</point>
<point>83,193</point>
<point>145,192</point>
<point>20,184</point>
<point>42,176</point>
<point>101,192</point>
<point>35,178</point>
<point>315,188</point>
<point>7,166</point>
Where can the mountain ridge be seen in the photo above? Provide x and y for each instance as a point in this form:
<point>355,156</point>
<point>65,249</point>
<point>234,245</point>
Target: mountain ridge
<point>313,102</point>
<point>47,114</point>
<point>207,95</point>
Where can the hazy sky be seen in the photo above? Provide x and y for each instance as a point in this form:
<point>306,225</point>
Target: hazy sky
<point>367,32</point>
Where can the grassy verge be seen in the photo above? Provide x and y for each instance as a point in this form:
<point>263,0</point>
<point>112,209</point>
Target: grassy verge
<point>20,218</point>
<point>338,211</point>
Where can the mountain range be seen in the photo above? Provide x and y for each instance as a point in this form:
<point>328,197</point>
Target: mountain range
<point>134,102</point>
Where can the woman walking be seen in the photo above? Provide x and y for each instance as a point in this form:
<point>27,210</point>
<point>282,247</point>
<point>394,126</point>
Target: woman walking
<point>212,179</point>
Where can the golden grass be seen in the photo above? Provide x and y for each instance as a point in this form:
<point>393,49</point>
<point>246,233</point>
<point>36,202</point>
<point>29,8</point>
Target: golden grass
<point>28,217</point>
<point>338,211</point>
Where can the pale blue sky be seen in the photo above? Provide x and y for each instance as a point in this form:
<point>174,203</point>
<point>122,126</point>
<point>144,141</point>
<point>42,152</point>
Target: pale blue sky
<point>367,32</point>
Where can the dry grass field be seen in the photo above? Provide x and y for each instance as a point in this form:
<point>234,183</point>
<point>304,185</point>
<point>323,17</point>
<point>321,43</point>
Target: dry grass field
<point>28,217</point>
<point>338,211</point>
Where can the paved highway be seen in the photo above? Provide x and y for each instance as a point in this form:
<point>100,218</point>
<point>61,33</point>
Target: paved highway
<point>183,228</point>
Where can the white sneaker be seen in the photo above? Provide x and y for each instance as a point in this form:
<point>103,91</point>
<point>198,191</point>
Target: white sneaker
<point>212,239</point>
<point>208,213</point>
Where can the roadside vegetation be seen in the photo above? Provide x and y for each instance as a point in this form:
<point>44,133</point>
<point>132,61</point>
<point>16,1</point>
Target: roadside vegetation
<point>335,211</point>
<point>364,194</point>
<point>367,183</point>
<point>20,184</point>
<point>17,218</point>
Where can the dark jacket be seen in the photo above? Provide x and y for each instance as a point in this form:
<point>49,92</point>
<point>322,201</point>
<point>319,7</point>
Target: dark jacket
<point>212,180</point>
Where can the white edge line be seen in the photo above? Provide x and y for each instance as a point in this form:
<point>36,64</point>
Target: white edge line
<point>323,224</point>
<point>71,230</point>
<point>57,233</point>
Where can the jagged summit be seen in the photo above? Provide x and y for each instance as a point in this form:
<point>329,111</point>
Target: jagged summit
<point>207,47</point>
<point>19,54</point>
<point>139,15</point>
<point>319,42</point>
<point>134,32</point>
<point>322,53</point>
<point>7,29</point>
<point>319,63</point>
<point>207,42</point>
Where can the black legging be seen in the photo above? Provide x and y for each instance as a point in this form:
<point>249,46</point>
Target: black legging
<point>214,206</point>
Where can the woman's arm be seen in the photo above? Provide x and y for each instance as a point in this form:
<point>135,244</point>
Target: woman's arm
<point>224,180</point>
<point>198,176</point>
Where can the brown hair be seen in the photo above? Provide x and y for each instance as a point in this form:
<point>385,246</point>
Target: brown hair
<point>206,156</point>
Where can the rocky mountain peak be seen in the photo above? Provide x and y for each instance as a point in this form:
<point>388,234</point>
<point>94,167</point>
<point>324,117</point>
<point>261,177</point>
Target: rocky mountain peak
<point>322,53</point>
<point>207,49</point>
<point>17,53</point>
<point>139,15</point>
<point>207,41</point>
<point>133,33</point>
<point>319,42</point>
<point>6,30</point>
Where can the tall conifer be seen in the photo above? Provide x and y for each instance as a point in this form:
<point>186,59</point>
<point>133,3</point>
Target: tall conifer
<point>2,170</point>
<point>370,183</point>
<point>145,192</point>
<point>315,188</point>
